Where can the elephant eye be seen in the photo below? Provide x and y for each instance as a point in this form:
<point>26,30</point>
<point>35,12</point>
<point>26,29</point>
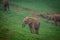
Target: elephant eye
<point>25,21</point>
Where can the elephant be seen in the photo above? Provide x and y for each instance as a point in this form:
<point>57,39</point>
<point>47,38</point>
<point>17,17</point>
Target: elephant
<point>33,23</point>
<point>55,18</point>
<point>6,4</point>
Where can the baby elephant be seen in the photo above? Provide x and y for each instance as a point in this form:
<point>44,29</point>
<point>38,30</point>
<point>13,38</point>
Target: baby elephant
<point>33,23</point>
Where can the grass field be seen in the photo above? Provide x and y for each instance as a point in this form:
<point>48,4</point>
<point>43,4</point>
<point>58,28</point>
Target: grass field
<point>10,24</point>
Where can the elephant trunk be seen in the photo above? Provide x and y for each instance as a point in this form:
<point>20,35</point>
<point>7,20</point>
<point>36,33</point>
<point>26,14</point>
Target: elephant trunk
<point>23,24</point>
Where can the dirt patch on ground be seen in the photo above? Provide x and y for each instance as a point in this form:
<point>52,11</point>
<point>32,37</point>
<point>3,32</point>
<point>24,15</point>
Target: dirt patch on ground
<point>34,12</point>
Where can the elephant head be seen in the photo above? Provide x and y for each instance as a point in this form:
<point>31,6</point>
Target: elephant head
<point>26,20</point>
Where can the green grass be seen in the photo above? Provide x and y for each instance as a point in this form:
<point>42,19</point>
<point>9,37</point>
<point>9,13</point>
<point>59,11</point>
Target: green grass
<point>11,29</point>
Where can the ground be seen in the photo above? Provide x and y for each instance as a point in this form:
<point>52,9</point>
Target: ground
<point>11,28</point>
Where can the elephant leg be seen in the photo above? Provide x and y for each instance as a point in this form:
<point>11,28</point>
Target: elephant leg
<point>37,28</point>
<point>31,30</point>
<point>36,31</point>
<point>31,27</point>
<point>55,20</point>
<point>55,23</point>
<point>8,6</point>
<point>4,7</point>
